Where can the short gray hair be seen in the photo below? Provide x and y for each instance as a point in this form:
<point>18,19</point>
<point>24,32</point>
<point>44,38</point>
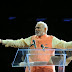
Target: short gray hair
<point>45,25</point>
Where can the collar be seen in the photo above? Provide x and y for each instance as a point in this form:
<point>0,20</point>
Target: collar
<point>41,37</point>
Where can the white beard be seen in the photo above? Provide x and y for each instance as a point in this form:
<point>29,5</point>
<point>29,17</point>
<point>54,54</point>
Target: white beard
<point>39,34</point>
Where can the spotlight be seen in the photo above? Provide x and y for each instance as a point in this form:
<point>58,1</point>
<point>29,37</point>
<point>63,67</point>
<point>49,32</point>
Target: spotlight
<point>68,19</point>
<point>11,18</point>
<point>41,19</point>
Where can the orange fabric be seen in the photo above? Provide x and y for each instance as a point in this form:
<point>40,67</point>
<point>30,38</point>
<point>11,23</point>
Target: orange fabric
<point>46,40</point>
<point>40,69</point>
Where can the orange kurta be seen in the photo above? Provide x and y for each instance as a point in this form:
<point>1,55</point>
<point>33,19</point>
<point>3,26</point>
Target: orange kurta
<point>46,40</point>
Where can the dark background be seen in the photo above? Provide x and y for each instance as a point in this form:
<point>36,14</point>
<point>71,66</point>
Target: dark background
<point>24,23</point>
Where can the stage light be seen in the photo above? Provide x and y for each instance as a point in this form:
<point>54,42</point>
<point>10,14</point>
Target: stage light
<point>11,18</point>
<point>68,19</point>
<point>41,19</point>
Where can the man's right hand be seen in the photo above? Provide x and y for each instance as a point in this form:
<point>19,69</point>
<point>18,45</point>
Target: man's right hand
<point>68,60</point>
<point>0,41</point>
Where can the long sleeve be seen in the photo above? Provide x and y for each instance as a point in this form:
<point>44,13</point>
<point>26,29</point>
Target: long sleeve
<point>61,44</point>
<point>17,43</point>
<point>68,45</point>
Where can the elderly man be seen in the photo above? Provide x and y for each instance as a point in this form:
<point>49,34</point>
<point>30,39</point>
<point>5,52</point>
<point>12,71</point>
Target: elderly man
<point>40,37</point>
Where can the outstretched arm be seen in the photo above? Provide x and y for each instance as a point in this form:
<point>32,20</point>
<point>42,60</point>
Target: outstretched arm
<point>16,43</point>
<point>61,44</point>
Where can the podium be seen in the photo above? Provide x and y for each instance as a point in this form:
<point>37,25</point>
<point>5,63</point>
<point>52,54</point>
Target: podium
<point>41,57</point>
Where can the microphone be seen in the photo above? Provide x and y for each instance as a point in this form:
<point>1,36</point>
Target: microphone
<point>34,43</point>
<point>43,47</point>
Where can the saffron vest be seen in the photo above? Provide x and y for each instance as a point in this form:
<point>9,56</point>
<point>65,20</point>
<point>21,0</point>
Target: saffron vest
<point>45,40</point>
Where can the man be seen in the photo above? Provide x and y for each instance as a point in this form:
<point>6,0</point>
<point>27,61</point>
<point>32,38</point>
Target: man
<point>41,38</point>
